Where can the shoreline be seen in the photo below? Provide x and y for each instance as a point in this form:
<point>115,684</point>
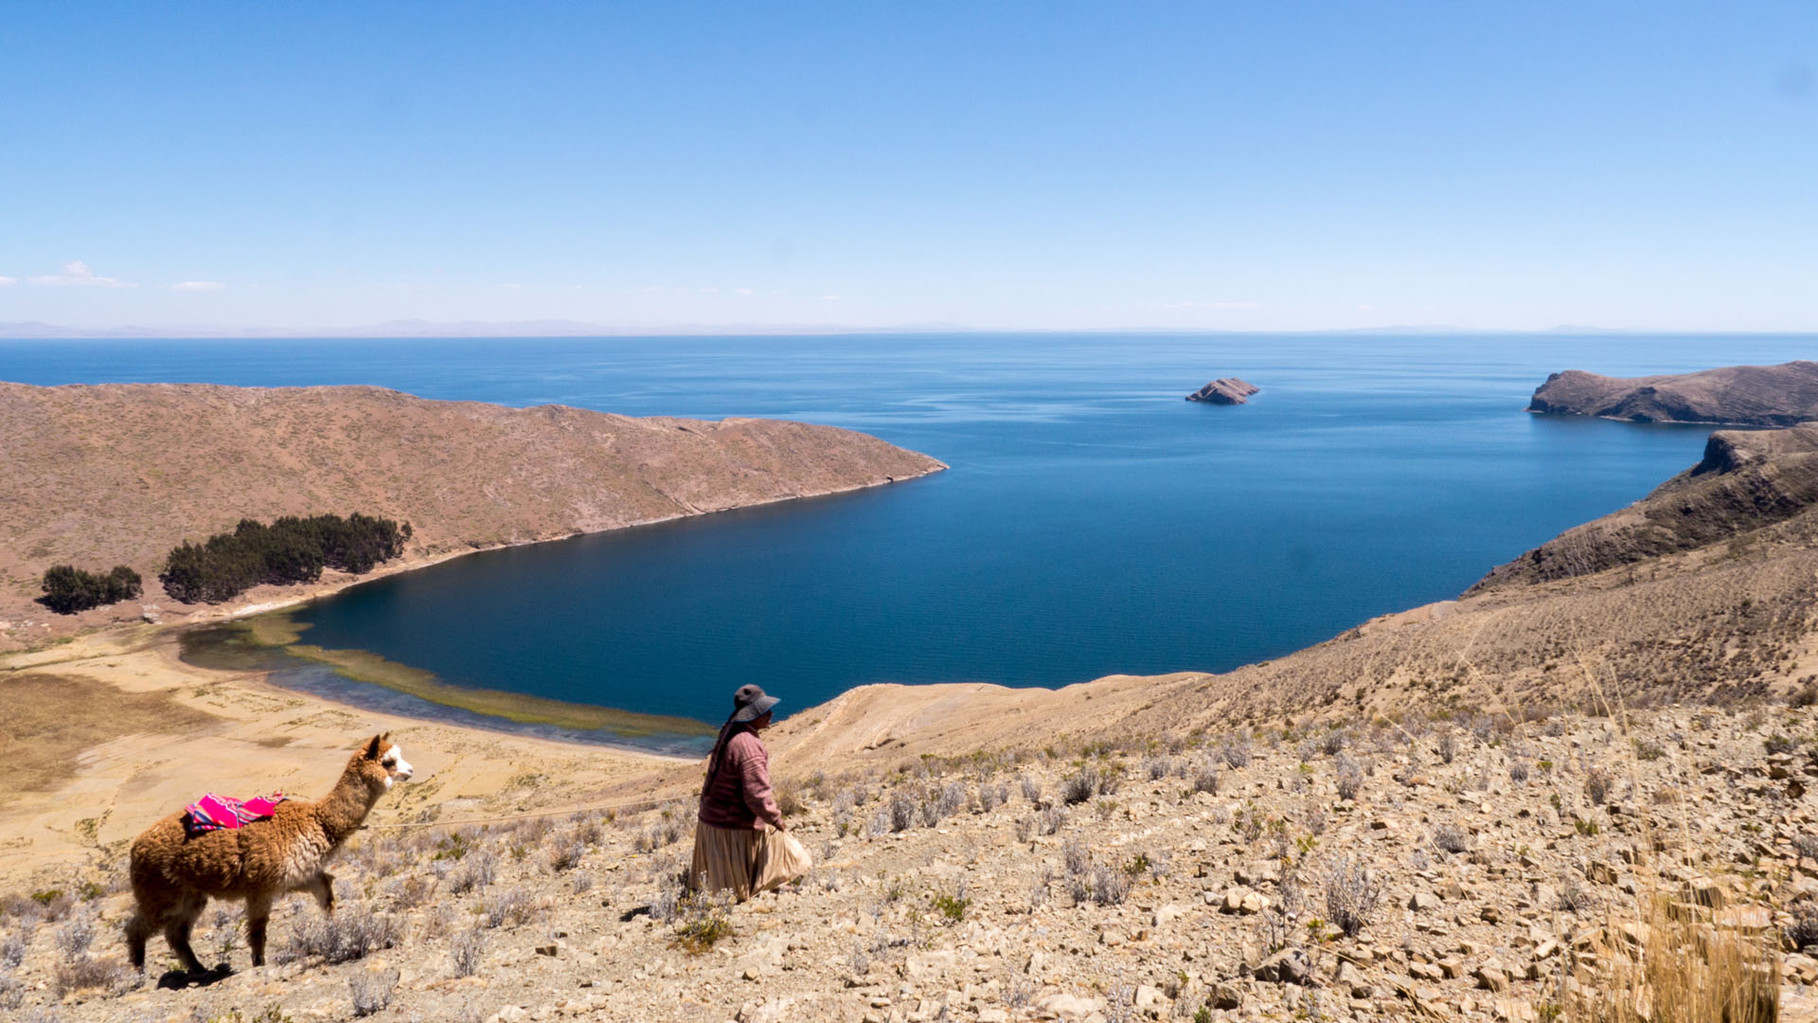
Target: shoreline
<point>319,591</point>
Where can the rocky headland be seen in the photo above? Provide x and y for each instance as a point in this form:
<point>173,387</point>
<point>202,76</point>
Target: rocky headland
<point>1225,391</point>
<point>1782,395</point>
<point>1747,481</point>
<point>121,473</point>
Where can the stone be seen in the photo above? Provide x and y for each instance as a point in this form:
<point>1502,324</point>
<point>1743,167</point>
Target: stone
<point>1289,966</point>
<point>1707,892</point>
<point>1068,1006</point>
<point>1421,902</point>
<point>1225,996</point>
<point>1258,871</point>
<point>1491,977</point>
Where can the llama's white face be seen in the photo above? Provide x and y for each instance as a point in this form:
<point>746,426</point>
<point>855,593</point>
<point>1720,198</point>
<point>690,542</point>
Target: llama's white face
<point>397,769</point>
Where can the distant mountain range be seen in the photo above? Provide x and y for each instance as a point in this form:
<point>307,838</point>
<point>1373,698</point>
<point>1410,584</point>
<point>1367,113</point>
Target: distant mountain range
<point>575,328</point>
<point>464,328</point>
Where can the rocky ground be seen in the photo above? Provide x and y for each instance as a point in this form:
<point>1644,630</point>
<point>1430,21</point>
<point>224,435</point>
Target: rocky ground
<point>1473,868</point>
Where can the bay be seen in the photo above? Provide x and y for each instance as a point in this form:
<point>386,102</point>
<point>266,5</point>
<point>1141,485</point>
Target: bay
<point>1093,522</point>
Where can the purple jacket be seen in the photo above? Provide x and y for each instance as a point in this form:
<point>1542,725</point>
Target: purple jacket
<point>739,795</point>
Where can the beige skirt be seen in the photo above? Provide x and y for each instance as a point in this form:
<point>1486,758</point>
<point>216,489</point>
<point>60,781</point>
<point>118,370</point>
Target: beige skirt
<point>745,861</point>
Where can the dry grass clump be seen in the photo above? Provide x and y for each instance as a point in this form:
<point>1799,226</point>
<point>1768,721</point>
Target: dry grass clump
<point>1673,964</point>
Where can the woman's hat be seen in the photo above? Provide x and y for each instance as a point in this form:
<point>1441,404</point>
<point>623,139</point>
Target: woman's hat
<point>750,703</point>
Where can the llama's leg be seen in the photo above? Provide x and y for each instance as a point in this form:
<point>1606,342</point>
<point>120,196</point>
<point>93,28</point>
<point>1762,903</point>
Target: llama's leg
<point>322,886</point>
<point>138,930</point>
<point>179,920</point>
<point>258,913</point>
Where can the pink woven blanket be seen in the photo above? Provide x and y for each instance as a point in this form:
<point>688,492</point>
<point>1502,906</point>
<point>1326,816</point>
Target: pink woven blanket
<point>213,812</point>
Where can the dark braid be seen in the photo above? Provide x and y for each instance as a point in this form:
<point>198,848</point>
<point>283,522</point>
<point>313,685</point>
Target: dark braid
<point>731,728</point>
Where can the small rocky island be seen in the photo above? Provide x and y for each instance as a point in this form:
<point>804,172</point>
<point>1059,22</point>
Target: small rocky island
<point>1773,396</point>
<point>1225,391</point>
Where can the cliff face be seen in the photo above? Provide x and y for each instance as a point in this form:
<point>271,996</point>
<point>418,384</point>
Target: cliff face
<point>1735,396</point>
<point>1746,481</point>
<point>119,474</point>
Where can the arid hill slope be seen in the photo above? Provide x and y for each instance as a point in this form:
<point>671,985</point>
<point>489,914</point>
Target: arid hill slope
<point>120,473</point>
<point>1733,396</point>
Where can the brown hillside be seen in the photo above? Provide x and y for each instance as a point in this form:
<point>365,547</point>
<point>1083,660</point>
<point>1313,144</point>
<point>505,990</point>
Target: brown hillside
<point>120,473</point>
<point>1734,396</point>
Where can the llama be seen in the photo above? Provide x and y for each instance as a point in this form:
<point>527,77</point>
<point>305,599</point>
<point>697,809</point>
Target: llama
<point>175,873</point>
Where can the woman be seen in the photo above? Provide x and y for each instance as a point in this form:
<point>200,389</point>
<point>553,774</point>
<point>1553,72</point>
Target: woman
<point>732,848</point>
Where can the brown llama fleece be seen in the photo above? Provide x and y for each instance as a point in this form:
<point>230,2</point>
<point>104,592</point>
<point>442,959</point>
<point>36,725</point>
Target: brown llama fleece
<point>175,873</point>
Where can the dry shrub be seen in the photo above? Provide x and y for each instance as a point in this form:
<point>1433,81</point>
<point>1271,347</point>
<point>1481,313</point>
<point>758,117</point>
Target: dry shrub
<point>513,908</point>
<point>1080,786</point>
<point>1110,886</point>
<point>1236,753</point>
<point>372,990</point>
<point>1802,931</point>
<point>1205,779</point>
<point>88,974</point>
<point>788,802</point>
<point>350,934</point>
<point>706,918</point>
<point>902,811</point>
<point>1597,782</point>
<point>1350,776</point>
<point>1352,893</point>
<point>1451,838</point>
<point>566,856</point>
<point>465,949</point>
<point>1032,789</point>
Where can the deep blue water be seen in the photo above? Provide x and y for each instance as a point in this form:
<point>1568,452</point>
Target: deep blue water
<point>1093,522</point>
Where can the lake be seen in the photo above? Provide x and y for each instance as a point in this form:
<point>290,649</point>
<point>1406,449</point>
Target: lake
<point>1093,522</point>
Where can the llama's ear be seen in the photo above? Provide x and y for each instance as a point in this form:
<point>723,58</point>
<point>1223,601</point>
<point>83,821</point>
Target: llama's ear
<point>372,748</point>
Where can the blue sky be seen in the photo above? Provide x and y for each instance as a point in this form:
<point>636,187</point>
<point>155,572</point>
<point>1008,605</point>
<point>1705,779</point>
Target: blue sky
<point>1269,165</point>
